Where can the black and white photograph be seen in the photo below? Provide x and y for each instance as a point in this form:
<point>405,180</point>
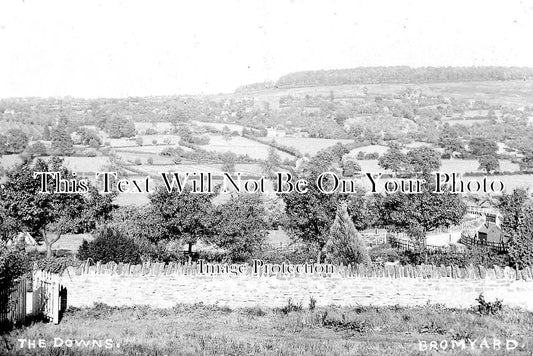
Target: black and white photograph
<point>254,177</point>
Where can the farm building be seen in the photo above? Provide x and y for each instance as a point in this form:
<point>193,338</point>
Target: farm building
<point>489,233</point>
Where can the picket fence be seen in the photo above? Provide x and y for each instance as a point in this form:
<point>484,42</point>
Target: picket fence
<point>41,297</point>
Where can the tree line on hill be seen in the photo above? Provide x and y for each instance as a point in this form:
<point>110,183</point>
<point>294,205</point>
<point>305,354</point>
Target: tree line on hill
<point>401,74</point>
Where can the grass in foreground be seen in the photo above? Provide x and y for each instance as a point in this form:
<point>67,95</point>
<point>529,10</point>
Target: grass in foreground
<point>292,330</point>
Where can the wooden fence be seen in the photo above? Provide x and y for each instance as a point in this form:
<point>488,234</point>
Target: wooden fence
<point>402,243</point>
<point>16,301</point>
<point>466,239</point>
<point>46,299</point>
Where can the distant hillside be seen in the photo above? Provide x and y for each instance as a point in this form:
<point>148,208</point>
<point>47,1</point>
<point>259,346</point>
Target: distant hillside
<point>401,74</point>
<point>255,86</point>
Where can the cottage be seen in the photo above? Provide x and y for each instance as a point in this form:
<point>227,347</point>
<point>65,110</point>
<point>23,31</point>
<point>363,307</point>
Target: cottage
<point>490,233</point>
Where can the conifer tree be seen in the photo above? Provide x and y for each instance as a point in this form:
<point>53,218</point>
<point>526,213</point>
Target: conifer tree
<point>62,144</point>
<point>345,244</point>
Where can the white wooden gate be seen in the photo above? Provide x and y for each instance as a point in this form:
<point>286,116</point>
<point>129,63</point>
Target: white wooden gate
<point>48,295</point>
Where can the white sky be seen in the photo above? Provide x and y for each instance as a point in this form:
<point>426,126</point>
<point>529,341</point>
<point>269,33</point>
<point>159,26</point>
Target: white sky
<point>128,48</point>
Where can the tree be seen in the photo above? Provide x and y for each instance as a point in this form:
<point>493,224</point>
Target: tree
<point>350,168</point>
<point>272,162</point>
<point>141,224</point>
<point>16,141</point>
<point>239,226</point>
<point>62,144</point>
<point>110,245</point>
<point>228,162</point>
<point>418,214</point>
<point>98,209</point>
<point>526,164</point>
<point>89,137</point>
<point>9,226</point>
<point>339,150</point>
<point>521,246</point>
<point>511,206</point>
<point>185,215</point>
<point>449,140</point>
<point>480,146</point>
<point>36,149</point>
<point>275,210</point>
<point>423,159</point>
<point>345,245</point>
<point>118,127</point>
<point>489,163</point>
<point>309,217</point>
<point>3,144</point>
<point>46,133</point>
<point>393,159</point>
<point>41,213</point>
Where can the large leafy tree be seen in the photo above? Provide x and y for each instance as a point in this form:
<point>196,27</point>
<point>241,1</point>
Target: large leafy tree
<point>309,217</point>
<point>481,146</point>
<point>240,226</point>
<point>394,159</point>
<point>423,160</point>
<point>184,216</point>
<point>449,140</point>
<point>489,163</point>
<point>41,213</point>
<point>418,214</point>
<point>511,206</point>
<point>15,141</point>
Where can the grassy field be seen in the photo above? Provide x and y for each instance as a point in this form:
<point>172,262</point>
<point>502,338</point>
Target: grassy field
<point>86,164</point>
<point>292,330</point>
<point>8,161</point>
<point>240,145</point>
<point>306,145</point>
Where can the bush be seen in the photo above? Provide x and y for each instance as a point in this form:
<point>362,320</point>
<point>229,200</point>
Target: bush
<point>488,308</point>
<point>109,245</point>
<point>477,256</point>
<point>13,264</point>
<point>384,253</point>
<point>290,307</point>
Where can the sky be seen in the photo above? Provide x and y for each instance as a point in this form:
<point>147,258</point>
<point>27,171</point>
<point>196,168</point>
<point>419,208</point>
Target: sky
<point>126,48</point>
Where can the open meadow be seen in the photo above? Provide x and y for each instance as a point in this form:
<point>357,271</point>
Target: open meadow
<point>290,330</point>
<point>306,145</point>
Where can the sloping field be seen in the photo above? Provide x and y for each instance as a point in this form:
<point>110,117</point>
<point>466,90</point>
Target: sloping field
<point>241,145</point>
<point>306,145</point>
<point>86,164</point>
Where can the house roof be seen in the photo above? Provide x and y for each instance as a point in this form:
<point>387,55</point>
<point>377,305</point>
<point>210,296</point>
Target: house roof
<point>493,232</point>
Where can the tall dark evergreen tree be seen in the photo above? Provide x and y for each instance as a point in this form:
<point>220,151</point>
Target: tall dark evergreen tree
<point>345,245</point>
<point>62,144</point>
